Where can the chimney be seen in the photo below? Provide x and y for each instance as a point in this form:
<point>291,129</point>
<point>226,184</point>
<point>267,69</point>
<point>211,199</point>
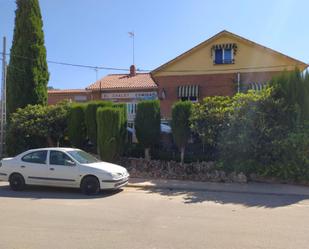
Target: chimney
<point>132,70</point>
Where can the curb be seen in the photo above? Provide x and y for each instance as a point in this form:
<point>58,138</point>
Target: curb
<point>188,189</point>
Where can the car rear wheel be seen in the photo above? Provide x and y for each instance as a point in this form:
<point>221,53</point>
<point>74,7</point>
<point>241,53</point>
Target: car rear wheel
<point>17,182</point>
<point>90,185</point>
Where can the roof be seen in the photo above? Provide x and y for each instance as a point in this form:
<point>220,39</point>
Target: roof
<point>53,148</point>
<point>68,91</point>
<point>224,32</point>
<point>124,82</point>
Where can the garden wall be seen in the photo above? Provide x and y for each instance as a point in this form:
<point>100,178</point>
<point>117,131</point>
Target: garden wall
<point>197,171</point>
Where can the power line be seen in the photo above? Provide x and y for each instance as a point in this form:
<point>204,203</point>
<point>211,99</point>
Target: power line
<point>78,65</point>
<point>147,70</point>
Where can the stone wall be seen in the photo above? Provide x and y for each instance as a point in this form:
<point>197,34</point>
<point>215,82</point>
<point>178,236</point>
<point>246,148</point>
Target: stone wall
<point>197,171</point>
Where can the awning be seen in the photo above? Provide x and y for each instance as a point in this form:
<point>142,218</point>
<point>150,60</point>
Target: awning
<point>257,86</point>
<point>225,46</point>
<point>188,91</point>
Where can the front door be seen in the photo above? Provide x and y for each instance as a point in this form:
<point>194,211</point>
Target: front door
<point>62,170</point>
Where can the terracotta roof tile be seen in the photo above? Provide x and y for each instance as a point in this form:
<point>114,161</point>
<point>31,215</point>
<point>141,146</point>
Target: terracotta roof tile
<point>124,81</point>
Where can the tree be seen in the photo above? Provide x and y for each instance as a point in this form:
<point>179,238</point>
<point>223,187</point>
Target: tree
<point>147,124</point>
<point>76,125</point>
<point>109,120</point>
<point>181,112</point>
<point>123,132</point>
<point>293,89</point>
<point>27,73</point>
<point>91,119</point>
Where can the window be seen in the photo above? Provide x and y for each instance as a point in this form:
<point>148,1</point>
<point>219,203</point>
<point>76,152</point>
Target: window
<point>256,86</point>
<point>36,157</point>
<point>223,56</point>
<point>224,53</point>
<point>191,98</point>
<point>59,158</point>
<point>82,156</point>
<point>131,108</point>
<point>80,98</point>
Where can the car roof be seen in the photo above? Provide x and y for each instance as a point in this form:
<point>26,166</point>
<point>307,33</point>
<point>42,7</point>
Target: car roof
<point>53,148</point>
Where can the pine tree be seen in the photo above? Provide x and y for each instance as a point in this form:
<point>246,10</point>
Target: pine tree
<point>27,74</point>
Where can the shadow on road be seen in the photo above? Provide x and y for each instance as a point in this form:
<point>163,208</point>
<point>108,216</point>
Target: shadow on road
<point>249,195</point>
<point>245,199</point>
<point>38,192</point>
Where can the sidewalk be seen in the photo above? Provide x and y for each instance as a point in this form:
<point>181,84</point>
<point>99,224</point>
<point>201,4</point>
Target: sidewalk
<point>247,188</point>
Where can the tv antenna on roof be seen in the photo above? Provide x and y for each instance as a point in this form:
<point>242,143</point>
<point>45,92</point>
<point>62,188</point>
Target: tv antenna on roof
<point>132,35</point>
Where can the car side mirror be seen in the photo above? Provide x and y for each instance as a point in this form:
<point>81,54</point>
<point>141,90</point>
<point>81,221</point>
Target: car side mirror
<point>69,163</point>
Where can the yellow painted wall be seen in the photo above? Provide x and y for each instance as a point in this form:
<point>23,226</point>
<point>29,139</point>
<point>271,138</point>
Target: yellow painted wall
<point>250,57</point>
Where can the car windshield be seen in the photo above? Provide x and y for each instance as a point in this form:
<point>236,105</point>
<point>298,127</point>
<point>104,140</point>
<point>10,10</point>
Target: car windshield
<point>82,156</point>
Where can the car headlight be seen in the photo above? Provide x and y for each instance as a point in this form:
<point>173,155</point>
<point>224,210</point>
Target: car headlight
<point>116,175</point>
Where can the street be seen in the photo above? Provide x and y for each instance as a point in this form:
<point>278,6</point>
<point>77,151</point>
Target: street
<point>134,218</point>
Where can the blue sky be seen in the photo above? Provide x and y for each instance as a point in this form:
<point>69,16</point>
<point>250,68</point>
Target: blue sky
<point>95,32</point>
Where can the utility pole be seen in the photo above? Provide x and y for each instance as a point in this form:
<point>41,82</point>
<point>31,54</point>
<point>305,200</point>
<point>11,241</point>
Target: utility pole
<point>3,100</point>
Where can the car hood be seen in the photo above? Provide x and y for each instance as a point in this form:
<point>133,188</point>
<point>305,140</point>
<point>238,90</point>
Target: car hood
<point>107,167</point>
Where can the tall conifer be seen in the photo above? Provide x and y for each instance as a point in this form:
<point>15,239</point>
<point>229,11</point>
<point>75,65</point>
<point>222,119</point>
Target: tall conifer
<point>27,74</point>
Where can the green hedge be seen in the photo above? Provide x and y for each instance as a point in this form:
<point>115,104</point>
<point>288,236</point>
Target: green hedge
<point>181,112</point>
<point>123,123</point>
<point>91,120</point>
<point>147,124</point>
<point>109,128</point>
<point>77,126</point>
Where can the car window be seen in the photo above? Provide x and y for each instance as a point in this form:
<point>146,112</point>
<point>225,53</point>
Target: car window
<point>36,157</point>
<point>60,158</point>
<point>82,156</point>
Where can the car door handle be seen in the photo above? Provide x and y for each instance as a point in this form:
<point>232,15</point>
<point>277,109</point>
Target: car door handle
<point>23,166</point>
<point>51,169</point>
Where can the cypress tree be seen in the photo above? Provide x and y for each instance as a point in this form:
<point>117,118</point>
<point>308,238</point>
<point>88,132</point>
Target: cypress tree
<point>181,113</point>
<point>27,74</point>
<point>147,124</point>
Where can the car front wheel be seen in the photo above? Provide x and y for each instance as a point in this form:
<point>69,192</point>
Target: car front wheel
<point>90,185</point>
<point>17,182</point>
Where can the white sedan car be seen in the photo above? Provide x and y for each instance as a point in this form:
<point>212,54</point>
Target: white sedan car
<point>62,167</point>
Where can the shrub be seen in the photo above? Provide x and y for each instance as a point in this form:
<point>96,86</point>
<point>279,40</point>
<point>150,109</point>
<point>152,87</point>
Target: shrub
<point>36,126</point>
<point>91,121</point>
<point>76,125</point>
<point>147,124</point>
<point>247,132</point>
<point>57,122</point>
<point>291,156</point>
<point>181,112</point>
<point>109,132</point>
<point>208,119</point>
<point>263,133</point>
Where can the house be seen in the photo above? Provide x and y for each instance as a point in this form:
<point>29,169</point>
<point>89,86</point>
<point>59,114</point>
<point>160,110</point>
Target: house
<point>122,88</point>
<point>76,95</point>
<point>125,88</point>
<point>222,65</point>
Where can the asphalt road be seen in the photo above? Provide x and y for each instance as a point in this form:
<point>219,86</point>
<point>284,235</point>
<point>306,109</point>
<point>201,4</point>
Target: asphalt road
<point>141,219</point>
